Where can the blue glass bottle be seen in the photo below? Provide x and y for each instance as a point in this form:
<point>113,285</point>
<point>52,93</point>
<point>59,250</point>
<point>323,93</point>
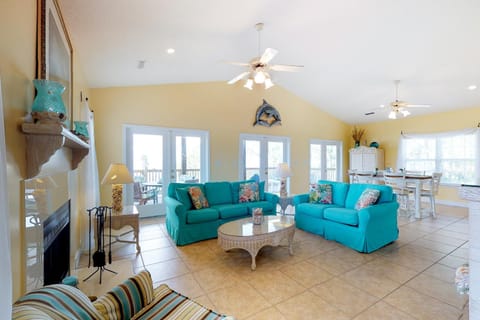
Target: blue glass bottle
<point>49,98</point>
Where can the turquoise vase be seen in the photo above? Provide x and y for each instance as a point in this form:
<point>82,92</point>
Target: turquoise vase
<point>49,98</point>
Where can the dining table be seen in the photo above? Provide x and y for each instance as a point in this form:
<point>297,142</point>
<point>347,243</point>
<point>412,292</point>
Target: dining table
<point>416,182</point>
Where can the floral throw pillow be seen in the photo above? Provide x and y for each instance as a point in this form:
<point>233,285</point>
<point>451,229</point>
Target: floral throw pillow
<point>199,200</point>
<point>368,197</point>
<point>249,192</point>
<point>321,193</point>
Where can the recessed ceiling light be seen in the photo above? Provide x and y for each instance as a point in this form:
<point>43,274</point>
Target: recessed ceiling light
<point>141,64</point>
<point>170,51</point>
<point>472,87</point>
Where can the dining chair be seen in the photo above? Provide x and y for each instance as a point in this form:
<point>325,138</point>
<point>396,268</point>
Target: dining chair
<point>363,177</point>
<point>430,190</point>
<point>399,186</point>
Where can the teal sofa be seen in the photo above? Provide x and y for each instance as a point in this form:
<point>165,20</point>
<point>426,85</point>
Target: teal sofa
<point>364,230</point>
<point>185,224</point>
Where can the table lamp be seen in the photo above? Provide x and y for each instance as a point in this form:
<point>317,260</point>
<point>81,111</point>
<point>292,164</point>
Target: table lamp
<point>283,171</point>
<point>117,175</point>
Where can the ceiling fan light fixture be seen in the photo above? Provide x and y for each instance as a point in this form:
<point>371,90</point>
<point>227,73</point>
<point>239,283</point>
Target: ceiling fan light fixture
<point>249,84</point>
<point>268,83</point>
<point>259,77</point>
<point>392,115</point>
<point>405,113</point>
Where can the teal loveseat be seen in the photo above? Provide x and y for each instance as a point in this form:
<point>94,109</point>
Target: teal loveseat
<point>364,230</point>
<point>185,224</point>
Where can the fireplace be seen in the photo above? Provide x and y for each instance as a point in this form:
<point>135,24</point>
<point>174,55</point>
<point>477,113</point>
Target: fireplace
<point>56,245</point>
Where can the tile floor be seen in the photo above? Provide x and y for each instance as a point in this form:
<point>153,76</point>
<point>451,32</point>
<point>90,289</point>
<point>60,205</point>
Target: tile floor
<point>412,278</point>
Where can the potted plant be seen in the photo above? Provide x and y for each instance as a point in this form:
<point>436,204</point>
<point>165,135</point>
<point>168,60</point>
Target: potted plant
<point>357,135</point>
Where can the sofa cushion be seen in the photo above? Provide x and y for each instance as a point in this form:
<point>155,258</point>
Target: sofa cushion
<point>368,198</point>
<point>339,191</point>
<point>218,192</point>
<point>342,215</point>
<point>201,215</point>
<point>60,301</point>
<point>169,304</point>
<point>313,209</point>
<point>266,206</point>
<point>227,211</point>
<point>356,189</point>
<point>322,193</point>
<point>128,298</point>
<point>198,198</point>
<point>248,192</point>
<point>172,188</point>
<point>184,197</point>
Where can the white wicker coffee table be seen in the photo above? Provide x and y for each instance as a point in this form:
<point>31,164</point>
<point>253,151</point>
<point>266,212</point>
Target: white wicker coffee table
<point>243,234</point>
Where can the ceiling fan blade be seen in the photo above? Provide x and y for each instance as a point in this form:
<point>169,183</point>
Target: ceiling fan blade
<point>417,105</point>
<point>268,55</point>
<point>243,64</point>
<point>239,77</point>
<point>285,67</point>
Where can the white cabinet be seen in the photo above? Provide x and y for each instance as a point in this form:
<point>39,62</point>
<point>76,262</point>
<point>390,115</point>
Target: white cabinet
<point>366,159</point>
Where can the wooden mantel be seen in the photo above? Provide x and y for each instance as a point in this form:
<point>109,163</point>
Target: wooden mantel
<point>43,140</point>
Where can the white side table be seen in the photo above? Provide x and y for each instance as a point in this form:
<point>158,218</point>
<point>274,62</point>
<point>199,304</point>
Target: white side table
<point>284,202</point>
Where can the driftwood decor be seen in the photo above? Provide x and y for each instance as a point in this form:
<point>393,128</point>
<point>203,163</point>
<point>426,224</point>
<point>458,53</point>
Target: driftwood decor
<point>267,115</point>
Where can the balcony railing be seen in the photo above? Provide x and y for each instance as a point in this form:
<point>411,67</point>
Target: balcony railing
<point>155,175</point>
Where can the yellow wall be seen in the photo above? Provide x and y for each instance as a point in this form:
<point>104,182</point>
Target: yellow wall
<point>387,134</point>
<point>18,22</point>
<point>224,111</point>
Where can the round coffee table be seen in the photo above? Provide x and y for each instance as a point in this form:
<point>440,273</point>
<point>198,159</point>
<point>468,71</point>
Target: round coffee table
<point>243,234</point>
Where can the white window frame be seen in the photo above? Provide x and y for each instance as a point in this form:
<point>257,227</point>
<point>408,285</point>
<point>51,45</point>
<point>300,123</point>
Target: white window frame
<point>323,144</point>
<point>402,162</point>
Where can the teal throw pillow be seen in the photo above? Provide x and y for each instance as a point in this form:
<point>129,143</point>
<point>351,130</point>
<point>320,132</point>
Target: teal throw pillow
<point>368,197</point>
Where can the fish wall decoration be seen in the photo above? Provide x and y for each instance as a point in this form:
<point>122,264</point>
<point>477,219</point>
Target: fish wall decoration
<point>267,115</point>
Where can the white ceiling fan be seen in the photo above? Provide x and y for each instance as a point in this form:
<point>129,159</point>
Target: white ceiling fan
<point>398,107</point>
<point>259,67</point>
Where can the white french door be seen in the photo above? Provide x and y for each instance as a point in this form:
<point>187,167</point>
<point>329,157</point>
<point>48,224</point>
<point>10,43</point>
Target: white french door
<point>325,160</point>
<point>157,156</point>
<point>260,155</point>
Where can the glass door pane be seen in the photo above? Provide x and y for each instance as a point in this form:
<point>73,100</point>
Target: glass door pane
<point>188,155</point>
<point>275,155</point>
<point>315,162</point>
<point>331,162</point>
<point>252,159</point>
<point>325,160</point>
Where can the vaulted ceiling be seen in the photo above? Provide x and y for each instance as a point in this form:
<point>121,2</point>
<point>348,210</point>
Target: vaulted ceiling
<point>352,50</point>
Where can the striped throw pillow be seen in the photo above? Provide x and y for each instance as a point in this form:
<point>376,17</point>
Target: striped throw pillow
<point>60,301</point>
<point>126,299</point>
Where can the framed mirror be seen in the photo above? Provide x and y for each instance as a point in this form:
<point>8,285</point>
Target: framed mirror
<point>54,51</point>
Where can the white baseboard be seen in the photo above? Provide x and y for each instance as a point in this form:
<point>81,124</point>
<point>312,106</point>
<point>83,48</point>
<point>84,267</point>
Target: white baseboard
<point>452,203</point>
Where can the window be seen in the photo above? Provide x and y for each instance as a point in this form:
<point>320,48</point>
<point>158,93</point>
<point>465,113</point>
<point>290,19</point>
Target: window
<point>455,154</point>
<point>325,160</point>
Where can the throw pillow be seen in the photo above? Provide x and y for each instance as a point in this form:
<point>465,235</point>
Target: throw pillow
<point>198,198</point>
<point>249,192</point>
<point>368,197</point>
<point>128,298</point>
<point>321,193</point>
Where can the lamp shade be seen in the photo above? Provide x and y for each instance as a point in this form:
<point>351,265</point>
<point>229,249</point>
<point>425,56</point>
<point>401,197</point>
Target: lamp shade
<point>283,170</point>
<point>117,173</point>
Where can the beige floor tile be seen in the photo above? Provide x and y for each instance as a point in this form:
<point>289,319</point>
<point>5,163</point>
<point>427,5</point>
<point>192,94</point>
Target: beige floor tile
<point>156,255</point>
<point>215,278</point>
<point>340,260</point>
<point>385,269</point>
<point>434,245</point>
<point>422,252</point>
<point>167,269</point>
<point>155,243</point>
<point>453,262</point>
<point>268,314</point>
<point>383,311</point>
<point>441,272</point>
<point>444,239</point>
<point>199,261</point>
<point>242,301</point>
<point>461,253</point>
<point>309,306</point>
<point>421,306</point>
<point>344,296</point>
<point>453,234</point>
<point>441,290</point>
<point>366,279</point>
<point>307,274</point>
<point>186,284</point>
<point>275,286</point>
<point>408,260</point>
<point>458,227</point>
<point>206,302</point>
